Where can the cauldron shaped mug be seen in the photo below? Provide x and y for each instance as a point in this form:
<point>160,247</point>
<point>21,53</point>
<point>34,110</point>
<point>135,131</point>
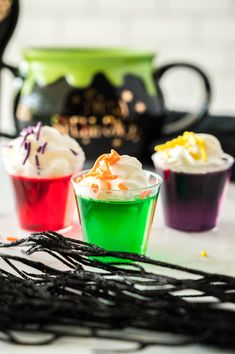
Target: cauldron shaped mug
<point>104,97</point>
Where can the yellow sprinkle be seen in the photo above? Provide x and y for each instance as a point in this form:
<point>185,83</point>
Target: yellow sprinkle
<point>204,253</point>
<point>189,141</point>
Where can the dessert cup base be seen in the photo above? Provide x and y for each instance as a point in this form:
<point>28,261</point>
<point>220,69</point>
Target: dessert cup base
<point>43,229</point>
<point>65,229</point>
<point>114,260</point>
<point>193,230</point>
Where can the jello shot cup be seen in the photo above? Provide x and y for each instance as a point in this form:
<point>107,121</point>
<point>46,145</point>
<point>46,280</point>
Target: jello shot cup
<point>193,197</point>
<point>40,163</point>
<point>192,201</point>
<point>117,220</point>
<point>44,203</point>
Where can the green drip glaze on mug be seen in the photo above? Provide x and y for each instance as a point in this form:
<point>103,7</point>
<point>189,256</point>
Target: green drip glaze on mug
<point>79,65</point>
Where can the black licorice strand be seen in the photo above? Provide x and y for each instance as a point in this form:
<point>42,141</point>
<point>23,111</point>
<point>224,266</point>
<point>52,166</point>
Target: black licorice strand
<point>94,298</point>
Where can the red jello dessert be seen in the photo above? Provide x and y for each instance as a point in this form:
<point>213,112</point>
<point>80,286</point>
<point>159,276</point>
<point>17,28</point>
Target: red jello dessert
<point>44,204</point>
<point>40,163</point>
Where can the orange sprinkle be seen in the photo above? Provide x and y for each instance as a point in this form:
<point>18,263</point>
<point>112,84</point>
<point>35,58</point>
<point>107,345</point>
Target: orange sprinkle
<point>108,186</point>
<point>96,164</point>
<point>102,171</point>
<point>12,238</point>
<point>122,187</point>
<point>78,179</point>
<point>107,176</point>
<point>114,157</point>
<point>145,194</point>
<point>106,165</point>
<point>95,187</point>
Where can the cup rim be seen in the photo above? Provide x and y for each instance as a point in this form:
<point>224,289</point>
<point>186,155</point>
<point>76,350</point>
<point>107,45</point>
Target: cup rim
<point>230,159</point>
<point>228,163</point>
<point>39,177</point>
<point>155,185</point>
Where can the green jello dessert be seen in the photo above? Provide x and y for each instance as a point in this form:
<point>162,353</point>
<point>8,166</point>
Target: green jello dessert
<point>117,226</point>
<point>116,213</point>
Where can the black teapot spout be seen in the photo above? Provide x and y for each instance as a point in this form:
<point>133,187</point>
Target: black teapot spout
<point>9,13</point>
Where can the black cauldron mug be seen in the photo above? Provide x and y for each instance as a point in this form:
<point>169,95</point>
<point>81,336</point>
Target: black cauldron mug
<point>103,97</point>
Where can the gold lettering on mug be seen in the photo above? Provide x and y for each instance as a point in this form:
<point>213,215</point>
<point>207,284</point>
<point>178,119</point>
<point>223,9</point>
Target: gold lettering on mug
<point>86,141</point>
<point>88,128</point>
<point>92,120</point>
<point>5,6</point>
<point>123,108</point>
<point>117,142</point>
<point>108,120</point>
<point>127,96</point>
<point>140,107</point>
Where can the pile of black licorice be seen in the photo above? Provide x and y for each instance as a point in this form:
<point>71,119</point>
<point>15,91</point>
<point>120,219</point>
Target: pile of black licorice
<point>74,293</point>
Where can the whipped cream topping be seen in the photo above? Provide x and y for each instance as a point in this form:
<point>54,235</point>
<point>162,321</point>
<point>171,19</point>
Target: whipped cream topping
<point>190,153</point>
<point>113,177</point>
<point>42,151</point>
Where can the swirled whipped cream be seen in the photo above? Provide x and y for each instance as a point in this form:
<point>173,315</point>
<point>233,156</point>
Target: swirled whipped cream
<point>113,177</point>
<point>42,151</point>
<point>190,153</point>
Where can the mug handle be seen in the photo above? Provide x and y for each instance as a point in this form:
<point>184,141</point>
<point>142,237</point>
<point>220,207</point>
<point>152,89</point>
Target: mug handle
<point>188,120</point>
<point>15,73</point>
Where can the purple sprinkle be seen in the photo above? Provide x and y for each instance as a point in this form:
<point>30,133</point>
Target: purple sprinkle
<point>74,152</point>
<point>44,147</point>
<point>25,137</point>
<point>27,146</point>
<point>27,131</point>
<point>37,161</point>
<point>38,130</point>
<point>41,148</point>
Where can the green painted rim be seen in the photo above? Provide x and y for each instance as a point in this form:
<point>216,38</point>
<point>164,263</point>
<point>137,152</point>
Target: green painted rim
<point>86,53</point>
<point>79,66</point>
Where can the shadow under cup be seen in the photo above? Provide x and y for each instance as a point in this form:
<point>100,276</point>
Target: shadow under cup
<point>117,220</point>
<point>192,201</point>
<point>44,203</point>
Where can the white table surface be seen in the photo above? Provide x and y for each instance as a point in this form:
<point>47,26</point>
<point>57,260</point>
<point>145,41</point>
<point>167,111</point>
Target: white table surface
<point>165,244</point>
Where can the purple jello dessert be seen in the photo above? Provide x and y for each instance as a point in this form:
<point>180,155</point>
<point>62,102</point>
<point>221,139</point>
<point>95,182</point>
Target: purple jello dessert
<point>192,202</point>
<point>195,173</point>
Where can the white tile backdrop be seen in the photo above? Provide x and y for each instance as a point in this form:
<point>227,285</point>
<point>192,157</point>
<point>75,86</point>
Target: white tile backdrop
<point>199,31</point>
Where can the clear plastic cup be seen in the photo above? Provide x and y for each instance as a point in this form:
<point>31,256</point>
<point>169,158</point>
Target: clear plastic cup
<point>192,201</point>
<point>118,221</point>
<point>44,203</point>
